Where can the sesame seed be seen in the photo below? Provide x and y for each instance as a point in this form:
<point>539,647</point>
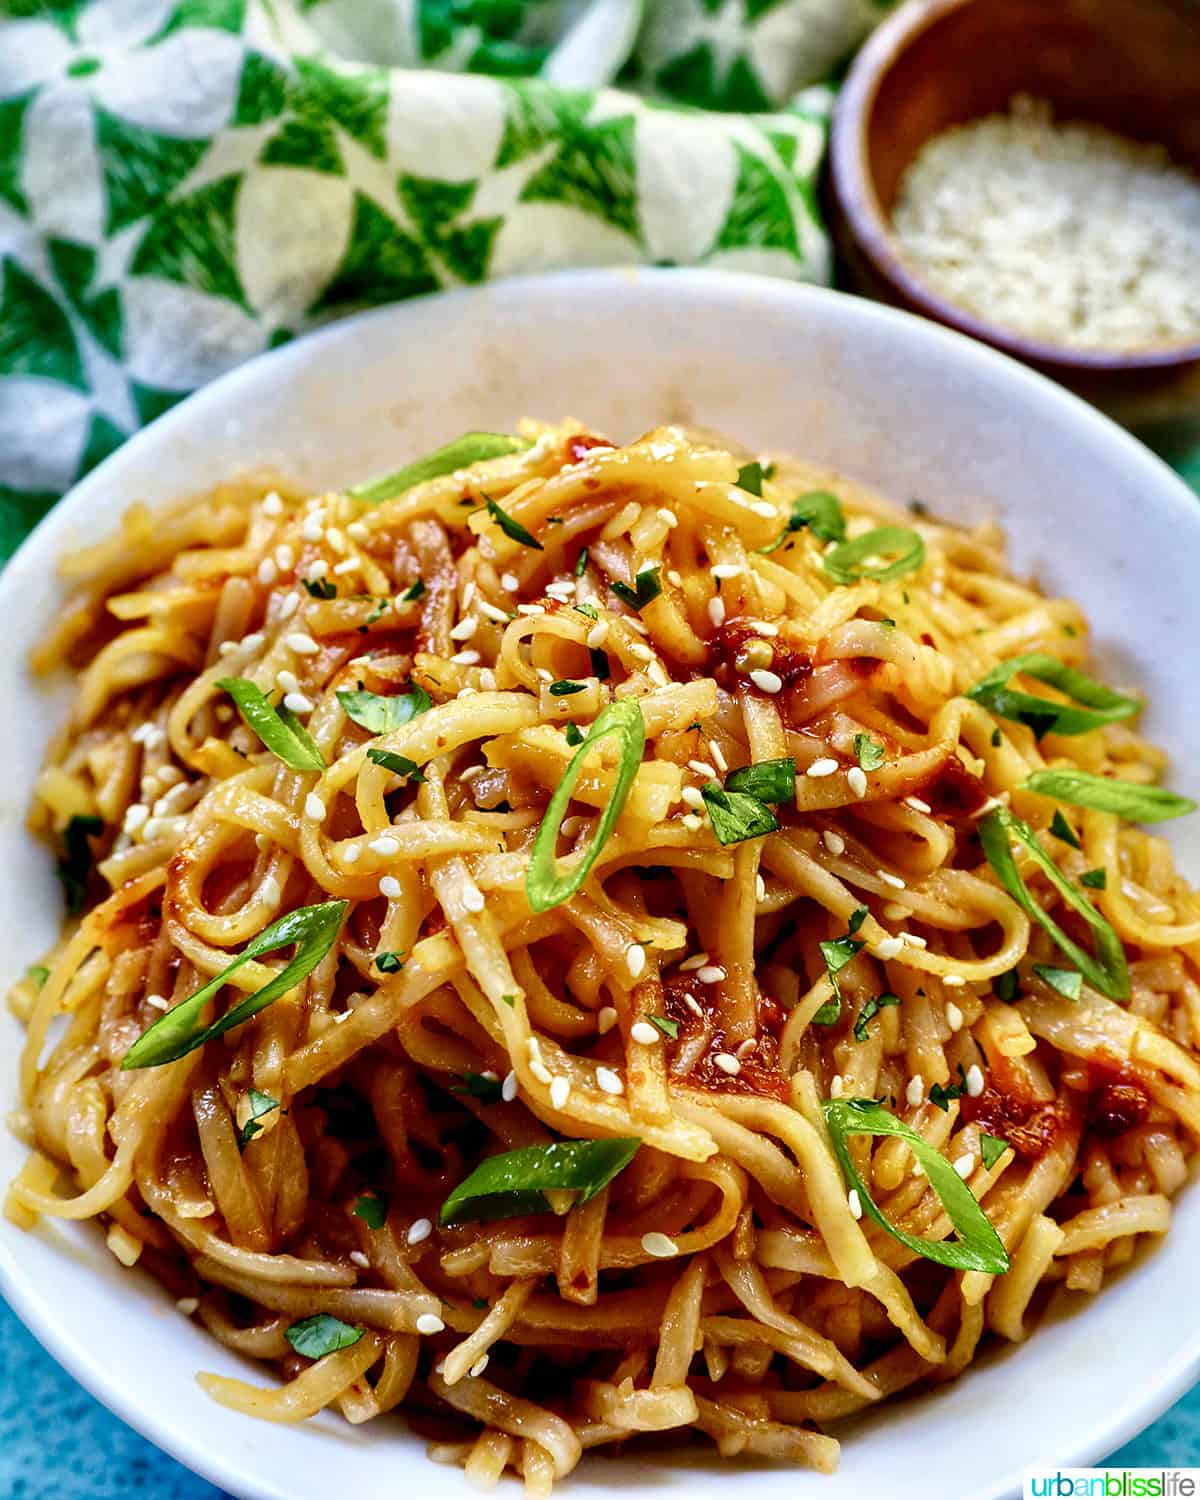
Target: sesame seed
<point>254,642</point>
<point>609,1082</point>
<point>267,572</point>
<point>826,766</point>
<point>346,567</point>
<point>702,768</point>
<point>855,1204</point>
<point>915,1092</point>
<point>965,1165</point>
<point>761,627</point>
<point>913,940</point>
<point>465,629</point>
<point>384,844</point>
<point>229,648</point>
<point>641,652</point>
<point>692,796</point>
<point>560,1092</point>
<point>667,516</point>
<point>635,959</point>
<point>693,822</point>
<point>540,1071</point>
<point>561,589</point>
<point>359,1258</point>
<point>716,611</point>
<point>765,509</point>
<point>493,612</point>
<point>508,1089</point>
<point>834,842</point>
<point>429,1323</point>
<point>301,643</point>
<point>285,558</point>
<point>606,1019</point>
<point>766,682</point>
<point>697,961</point>
<point>314,808</point>
<point>693,1005</point>
<point>974,1081</point>
<point>466,658</point>
<point>954,1016</point>
<point>674,578</point>
<point>710,974</point>
<point>836,1084</point>
<point>158,1002</point>
<point>472,898</point>
<point>187,1305</point>
<point>350,854</point>
<point>728,570</point>
<point>287,681</point>
<point>298,703</point>
<point>317,568</point>
<point>510,581</point>
<point>135,815</point>
<point>954,980</point>
<point>918,804</point>
<point>659,1245</point>
<point>888,947</point>
<point>744,1049</point>
<point>889,879</point>
<point>531,609</point>
<point>727,1063</point>
<point>272,505</point>
<point>313,527</point>
<point>479,1366</point>
<point>389,886</point>
<point>597,635</point>
<point>357,531</point>
<point>760,888</point>
<point>856,778</point>
<point>335,539</point>
<point>642,1031</point>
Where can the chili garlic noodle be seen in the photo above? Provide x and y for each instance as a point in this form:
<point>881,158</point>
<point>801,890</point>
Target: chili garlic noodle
<point>579,942</point>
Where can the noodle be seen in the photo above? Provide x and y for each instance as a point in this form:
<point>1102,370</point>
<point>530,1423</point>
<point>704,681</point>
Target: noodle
<point>650,821</point>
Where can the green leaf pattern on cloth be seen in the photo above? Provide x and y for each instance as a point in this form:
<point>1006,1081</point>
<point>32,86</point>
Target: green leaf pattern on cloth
<point>186,183</point>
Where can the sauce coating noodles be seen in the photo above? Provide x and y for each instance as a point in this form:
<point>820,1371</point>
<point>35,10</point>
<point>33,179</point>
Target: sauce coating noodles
<point>744,953</point>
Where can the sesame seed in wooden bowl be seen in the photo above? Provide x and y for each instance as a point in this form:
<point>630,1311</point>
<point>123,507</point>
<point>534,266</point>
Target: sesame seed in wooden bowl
<point>1028,171</point>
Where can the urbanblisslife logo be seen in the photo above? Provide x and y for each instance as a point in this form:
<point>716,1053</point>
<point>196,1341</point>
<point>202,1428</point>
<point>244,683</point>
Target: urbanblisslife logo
<point>1111,1484</point>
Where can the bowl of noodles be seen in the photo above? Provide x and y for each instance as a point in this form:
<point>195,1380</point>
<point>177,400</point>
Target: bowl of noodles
<point>598,891</point>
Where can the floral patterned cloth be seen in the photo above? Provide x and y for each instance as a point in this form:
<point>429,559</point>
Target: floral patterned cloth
<point>185,183</point>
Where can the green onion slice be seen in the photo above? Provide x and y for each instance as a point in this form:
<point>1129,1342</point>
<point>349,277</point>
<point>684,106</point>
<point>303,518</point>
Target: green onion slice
<point>991,1149</point>
<point>278,728</point>
<point>544,886</point>
<point>847,562</point>
<point>471,448</point>
<point>564,688</point>
<point>750,478</point>
<point>736,816</point>
<point>1107,971</point>
<point>820,511</point>
<point>1092,707</point>
<point>313,929</point>
<point>511,527</point>
<point>1061,829</point>
<point>837,953</point>
<point>978,1246</point>
<point>479,1086</point>
<point>382,714</point>
<point>372,1209</point>
<point>75,864</point>
<point>516,1181</point>
<point>647,586</point>
<point>869,1011</point>
<point>768,780</point>
<point>400,764</point>
<point>1068,982</point>
<point>260,1104</point>
<point>320,1335</point>
<point>1128,799</point>
<point>869,753</point>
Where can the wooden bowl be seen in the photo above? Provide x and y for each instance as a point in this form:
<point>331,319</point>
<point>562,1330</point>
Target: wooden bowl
<point>1132,65</point>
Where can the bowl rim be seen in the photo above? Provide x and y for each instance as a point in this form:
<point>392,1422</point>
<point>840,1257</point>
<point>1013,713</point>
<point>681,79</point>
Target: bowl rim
<point>853,187</point>
<point>29,1298</point>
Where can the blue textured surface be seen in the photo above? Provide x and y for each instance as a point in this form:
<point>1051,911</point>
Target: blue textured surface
<point>86,1454</point>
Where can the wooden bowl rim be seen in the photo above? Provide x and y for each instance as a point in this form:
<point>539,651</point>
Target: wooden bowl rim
<point>854,191</point>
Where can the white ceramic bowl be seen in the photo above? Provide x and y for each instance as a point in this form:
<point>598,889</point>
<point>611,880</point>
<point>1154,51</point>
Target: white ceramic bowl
<point>921,412</point>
